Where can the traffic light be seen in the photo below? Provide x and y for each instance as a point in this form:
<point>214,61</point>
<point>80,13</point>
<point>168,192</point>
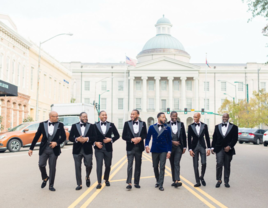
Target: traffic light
<point>185,110</point>
<point>168,110</point>
<point>202,111</point>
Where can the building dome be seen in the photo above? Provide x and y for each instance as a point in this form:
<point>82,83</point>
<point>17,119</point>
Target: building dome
<point>163,20</point>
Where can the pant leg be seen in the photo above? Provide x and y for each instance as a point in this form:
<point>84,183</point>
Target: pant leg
<point>227,167</point>
<point>130,158</point>
<point>99,161</point>
<point>171,160</point>
<point>108,162</point>
<point>138,161</point>
<point>195,163</point>
<point>42,164</point>
<point>77,164</point>
<point>177,160</point>
<point>220,162</point>
<point>155,158</point>
<point>162,158</point>
<point>88,162</point>
<point>52,167</point>
<point>203,161</point>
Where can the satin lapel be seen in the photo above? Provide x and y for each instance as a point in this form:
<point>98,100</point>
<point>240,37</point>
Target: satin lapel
<point>46,128</point>
<point>87,128</point>
<point>179,129</point>
<point>220,130</point>
<point>229,129</point>
<point>107,127</point>
<point>162,130</point>
<point>193,127</point>
<point>140,127</point>
<point>99,127</point>
<point>156,128</point>
<point>201,128</point>
<point>55,130</point>
<point>130,124</point>
<point>169,124</point>
<point>79,129</point>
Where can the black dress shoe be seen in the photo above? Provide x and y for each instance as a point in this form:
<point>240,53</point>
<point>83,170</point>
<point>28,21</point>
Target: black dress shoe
<point>44,183</point>
<point>78,188</point>
<point>227,185</point>
<point>137,186</point>
<point>197,185</point>
<point>88,182</point>
<point>51,188</point>
<point>98,186</point>
<point>156,185</point>
<point>129,187</point>
<point>203,181</point>
<point>161,188</point>
<point>178,184</point>
<point>107,183</point>
<point>173,184</point>
<point>218,184</point>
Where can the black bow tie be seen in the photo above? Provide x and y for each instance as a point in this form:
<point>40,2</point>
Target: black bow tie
<point>160,125</point>
<point>52,123</point>
<point>224,125</point>
<point>103,123</point>
<point>135,122</point>
<point>83,124</point>
<point>173,123</point>
<point>197,124</point>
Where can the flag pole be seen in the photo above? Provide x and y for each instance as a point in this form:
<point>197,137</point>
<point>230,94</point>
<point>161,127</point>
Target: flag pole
<point>126,87</point>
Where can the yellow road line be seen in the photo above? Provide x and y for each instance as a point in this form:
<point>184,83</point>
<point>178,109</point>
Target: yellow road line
<point>92,197</point>
<point>79,199</point>
<point>133,178</point>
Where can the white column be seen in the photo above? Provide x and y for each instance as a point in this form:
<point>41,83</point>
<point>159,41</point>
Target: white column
<point>183,90</point>
<point>196,93</point>
<point>131,86</point>
<point>157,101</point>
<point>170,90</point>
<point>144,94</point>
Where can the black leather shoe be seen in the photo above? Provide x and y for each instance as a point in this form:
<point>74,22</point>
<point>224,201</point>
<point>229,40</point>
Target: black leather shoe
<point>107,183</point>
<point>51,188</point>
<point>197,185</point>
<point>129,187</point>
<point>173,184</point>
<point>203,182</point>
<point>227,185</point>
<point>88,182</point>
<point>44,183</point>
<point>98,186</point>
<point>78,188</point>
<point>161,188</point>
<point>137,186</point>
<point>218,184</point>
<point>178,184</point>
<point>156,185</point>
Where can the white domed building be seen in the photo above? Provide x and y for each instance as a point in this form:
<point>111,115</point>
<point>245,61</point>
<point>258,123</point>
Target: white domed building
<point>163,78</point>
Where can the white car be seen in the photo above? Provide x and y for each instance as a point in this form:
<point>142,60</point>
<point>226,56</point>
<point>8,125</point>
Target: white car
<point>265,138</point>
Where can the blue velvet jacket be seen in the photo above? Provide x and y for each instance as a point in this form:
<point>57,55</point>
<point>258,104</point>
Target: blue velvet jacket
<point>162,141</point>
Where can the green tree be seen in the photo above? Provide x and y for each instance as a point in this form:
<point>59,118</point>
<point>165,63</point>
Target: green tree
<point>28,119</point>
<point>2,126</point>
<point>73,100</point>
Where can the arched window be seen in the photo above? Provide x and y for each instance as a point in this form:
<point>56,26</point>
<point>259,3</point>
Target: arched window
<point>150,121</point>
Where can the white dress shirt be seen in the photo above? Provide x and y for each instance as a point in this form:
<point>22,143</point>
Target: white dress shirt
<point>136,127</point>
<point>174,127</point>
<point>197,128</point>
<point>224,129</point>
<point>50,128</point>
<point>103,127</point>
<point>83,128</point>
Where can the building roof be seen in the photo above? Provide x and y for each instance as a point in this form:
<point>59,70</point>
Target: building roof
<point>163,20</point>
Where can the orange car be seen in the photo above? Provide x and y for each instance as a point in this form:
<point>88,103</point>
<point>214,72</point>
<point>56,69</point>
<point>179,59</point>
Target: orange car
<point>21,136</point>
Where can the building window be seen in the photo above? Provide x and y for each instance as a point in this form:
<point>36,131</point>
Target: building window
<point>263,86</point>
<point>103,104</point>
<point>103,86</point>
<point>120,123</point>
<point>120,85</point>
<point>189,85</point>
<point>1,66</point>
<point>151,84</point>
<point>240,86</point>
<point>7,70</point>
<point>206,86</point>
<point>189,103</point>
<point>151,103</point>
<point>138,103</point>
<point>138,85</point>
<point>87,100</point>
<point>32,71</point>
<point>176,85</point>
<point>206,104</point>
<point>13,71</point>
<point>87,85</point>
<point>163,85</point>
<point>120,103</point>
<point>164,104</point>
<point>176,104</point>
<point>223,86</point>
<point>18,75</point>
<point>23,76</point>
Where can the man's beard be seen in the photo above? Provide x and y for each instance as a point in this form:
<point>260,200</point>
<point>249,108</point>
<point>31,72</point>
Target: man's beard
<point>162,122</point>
<point>82,121</point>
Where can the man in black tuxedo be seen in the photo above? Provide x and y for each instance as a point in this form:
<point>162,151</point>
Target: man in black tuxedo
<point>53,135</point>
<point>179,146</point>
<point>104,146</point>
<point>83,137</point>
<point>224,139</point>
<point>197,145</point>
<point>134,133</point>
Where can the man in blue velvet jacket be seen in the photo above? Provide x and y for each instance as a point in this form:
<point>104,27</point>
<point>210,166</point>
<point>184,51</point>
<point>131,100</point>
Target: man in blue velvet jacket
<point>161,147</point>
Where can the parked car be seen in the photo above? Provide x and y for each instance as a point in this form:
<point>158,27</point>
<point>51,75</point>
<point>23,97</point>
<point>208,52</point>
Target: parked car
<point>21,136</point>
<point>265,139</point>
<point>250,135</point>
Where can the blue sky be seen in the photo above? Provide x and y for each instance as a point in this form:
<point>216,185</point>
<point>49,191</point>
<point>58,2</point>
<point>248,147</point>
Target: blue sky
<point>104,31</point>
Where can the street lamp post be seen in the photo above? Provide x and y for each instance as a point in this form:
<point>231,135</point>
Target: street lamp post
<point>230,84</point>
<point>38,72</point>
<point>99,101</point>
<point>246,89</point>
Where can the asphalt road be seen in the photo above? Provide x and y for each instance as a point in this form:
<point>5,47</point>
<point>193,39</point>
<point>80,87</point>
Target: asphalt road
<point>21,181</point>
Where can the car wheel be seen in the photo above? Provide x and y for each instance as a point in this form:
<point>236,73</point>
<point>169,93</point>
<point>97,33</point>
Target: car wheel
<point>14,145</point>
<point>62,144</point>
<point>241,142</point>
<point>265,144</point>
<point>257,142</point>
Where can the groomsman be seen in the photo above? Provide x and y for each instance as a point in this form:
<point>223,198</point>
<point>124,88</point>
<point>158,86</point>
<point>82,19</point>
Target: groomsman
<point>134,133</point>
<point>224,139</point>
<point>104,146</point>
<point>53,135</point>
<point>179,146</point>
<point>161,147</point>
<point>197,145</point>
<point>83,136</point>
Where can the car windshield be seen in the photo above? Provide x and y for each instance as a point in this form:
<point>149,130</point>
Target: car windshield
<point>19,127</point>
<point>249,130</point>
<point>69,120</point>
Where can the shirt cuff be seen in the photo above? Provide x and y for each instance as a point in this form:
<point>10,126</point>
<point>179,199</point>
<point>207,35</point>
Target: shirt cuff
<point>190,150</point>
<point>146,145</point>
<point>87,139</point>
<point>76,140</point>
<point>212,148</point>
<point>184,148</point>
<point>169,152</point>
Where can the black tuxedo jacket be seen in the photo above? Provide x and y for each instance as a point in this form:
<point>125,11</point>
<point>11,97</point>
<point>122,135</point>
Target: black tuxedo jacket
<point>76,132</point>
<point>59,136</point>
<point>128,134</point>
<point>181,133</point>
<point>219,141</point>
<point>193,137</point>
<point>110,130</point>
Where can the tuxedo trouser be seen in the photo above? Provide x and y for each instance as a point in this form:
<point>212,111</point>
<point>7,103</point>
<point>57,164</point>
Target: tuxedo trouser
<point>159,158</point>
<point>49,155</point>
<point>223,159</point>
<point>202,151</point>
<point>137,154</point>
<point>78,161</point>
<point>107,157</point>
<point>175,159</point>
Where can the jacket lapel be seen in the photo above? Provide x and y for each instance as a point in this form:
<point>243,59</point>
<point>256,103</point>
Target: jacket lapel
<point>179,129</point>
<point>156,128</point>
<point>130,124</point>
<point>99,127</point>
<point>55,130</point>
<point>107,127</point>
<point>79,129</point>
<point>162,130</point>
<point>201,128</point>
<point>46,128</point>
<point>193,127</point>
<point>229,129</point>
<point>86,129</point>
<point>220,129</point>
<point>140,127</point>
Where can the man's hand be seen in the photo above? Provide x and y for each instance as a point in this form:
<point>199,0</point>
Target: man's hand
<point>227,149</point>
<point>107,140</point>
<point>212,151</point>
<point>192,153</point>
<point>136,140</point>
<point>183,151</point>
<point>168,155</point>
<point>30,152</point>
<point>147,149</point>
<point>79,139</point>
<point>53,144</point>
<point>176,143</point>
<point>208,152</point>
<point>98,144</point>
